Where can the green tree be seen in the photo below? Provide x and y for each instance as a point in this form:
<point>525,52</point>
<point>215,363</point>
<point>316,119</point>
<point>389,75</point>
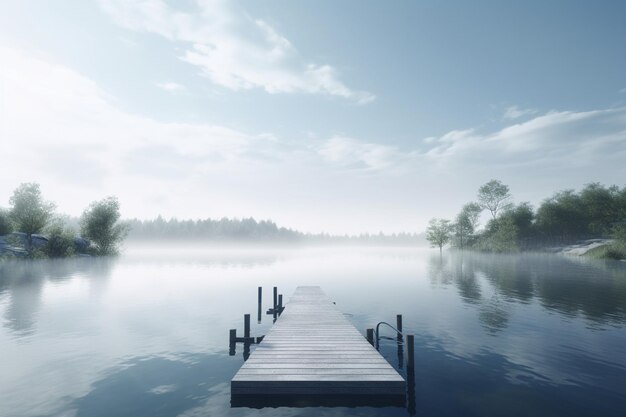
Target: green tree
<point>465,224</point>
<point>6,226</point>
<point>100,224</point>
<point>562,218</point>
<point>30,213</point>
<point>500,236</point>
<point>601,207</point>
<point>522,216</point>
<point>438,232</point>
<point>494,196</point>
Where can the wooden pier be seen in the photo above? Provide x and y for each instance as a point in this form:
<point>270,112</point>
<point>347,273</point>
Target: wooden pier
<point>313,350</point>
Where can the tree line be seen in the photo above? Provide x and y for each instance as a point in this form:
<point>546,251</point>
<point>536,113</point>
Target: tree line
<point>596,211</point>
<point>249,230</point>
<point>30,215</point>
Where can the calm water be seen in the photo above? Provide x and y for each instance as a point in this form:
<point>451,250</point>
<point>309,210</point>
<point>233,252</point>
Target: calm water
<point>147,334</point>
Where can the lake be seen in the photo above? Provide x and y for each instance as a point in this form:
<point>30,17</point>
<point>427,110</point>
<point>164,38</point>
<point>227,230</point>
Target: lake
<point>146,334</point>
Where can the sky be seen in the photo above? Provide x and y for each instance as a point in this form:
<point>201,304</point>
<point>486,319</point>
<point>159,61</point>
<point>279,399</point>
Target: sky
<point>325,116</point>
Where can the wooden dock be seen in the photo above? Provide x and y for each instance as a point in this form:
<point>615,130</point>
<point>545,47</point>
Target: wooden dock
<point>313,350</point>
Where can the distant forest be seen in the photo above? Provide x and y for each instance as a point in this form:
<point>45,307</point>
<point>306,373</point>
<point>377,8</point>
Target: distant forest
<point>250,230</point>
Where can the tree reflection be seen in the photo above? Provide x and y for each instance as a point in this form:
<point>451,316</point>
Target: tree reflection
<point>494,314</point>
<point>439,271</point>
<point>465,280</point>
<point>596,290</point>
<point>23,281</point>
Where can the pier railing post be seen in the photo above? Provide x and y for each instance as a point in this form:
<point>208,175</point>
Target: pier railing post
<point>399,325</point>
<point>246,326</point>
<point>275,298</point>
<point>280,303</point>
<point>411,353</point>
<point>246,351</point>
<point>232,339</point>
<point>260,308</point>
<point>410,373</point>
<point>399,338</point>
<point>275,305</point>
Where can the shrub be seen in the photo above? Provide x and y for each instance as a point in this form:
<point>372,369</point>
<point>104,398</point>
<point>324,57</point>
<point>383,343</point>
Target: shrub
<point>60,243</point>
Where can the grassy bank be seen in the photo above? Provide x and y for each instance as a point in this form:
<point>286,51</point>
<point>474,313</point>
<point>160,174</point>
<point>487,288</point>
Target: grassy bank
<point>615,251</point>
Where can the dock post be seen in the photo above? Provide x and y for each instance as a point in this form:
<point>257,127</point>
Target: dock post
<point>246,351</point>
<point>280,303</point>
<point>410,373</point>
<point>260,305</point>
<point>410,348</point>
<point>246,326</point>
<point>275,298</point>
<point>232,339</point>
<point>370,336</point>
<point>400,340</point>
<point>275,305</point>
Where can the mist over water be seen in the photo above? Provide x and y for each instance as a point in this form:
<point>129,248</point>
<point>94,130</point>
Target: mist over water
<point>147,333</point>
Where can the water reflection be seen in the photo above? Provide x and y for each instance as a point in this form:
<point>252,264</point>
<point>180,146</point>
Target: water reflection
<point>494,314</point>
<point>491,384</point>
<point>495,335</point>
<point>22,283</point>
<point>206,255</point>
<point>467,282</point>
<point>154,386</point>
<point>492,282</point>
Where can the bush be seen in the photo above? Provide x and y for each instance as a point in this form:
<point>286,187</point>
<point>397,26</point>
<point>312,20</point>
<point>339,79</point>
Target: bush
<point>60,243</point>
<point>613,251</point>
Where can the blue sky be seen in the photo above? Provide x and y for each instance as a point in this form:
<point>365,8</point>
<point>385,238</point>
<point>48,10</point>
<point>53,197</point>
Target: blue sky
<point>323,116</point>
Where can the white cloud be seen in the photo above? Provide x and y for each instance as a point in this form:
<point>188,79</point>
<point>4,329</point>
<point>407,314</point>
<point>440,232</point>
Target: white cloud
<point>231,48</point>
<point>171,87</point>
<point>556,139</point>
<point>354,154</point>
<point>514,112</point>
<point>57,127</point>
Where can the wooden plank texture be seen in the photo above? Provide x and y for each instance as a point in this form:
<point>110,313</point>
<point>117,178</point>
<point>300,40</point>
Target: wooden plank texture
<point>312,349</point>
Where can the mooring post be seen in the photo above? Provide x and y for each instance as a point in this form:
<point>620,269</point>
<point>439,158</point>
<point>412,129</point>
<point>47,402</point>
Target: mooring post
<point>275,298</point>
<point>232,339</point>
<point>370,336</point>
<point>246,326</point>
<point>400,342</point>
<point>410,373</point>
<point>246,351</point>
<point>260,305</point>
<point>280,303</point>
<point>410,348</point>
